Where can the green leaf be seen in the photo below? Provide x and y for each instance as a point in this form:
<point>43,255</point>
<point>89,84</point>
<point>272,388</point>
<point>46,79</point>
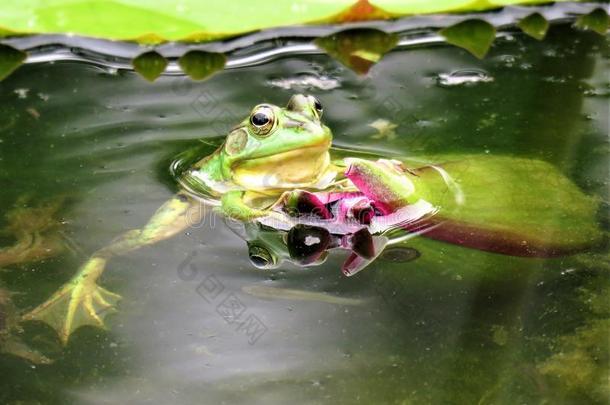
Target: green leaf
<point>358,49</point>
<point>425,7</point>
<point>196,20</point>
<point>503,199</point>
<point>476,36</point>
<point>10,59</point>
<point>165,20</point>
<point>200,65</point>
<point>150,65</point>
<point>597,21</point>
<point>534,25</point>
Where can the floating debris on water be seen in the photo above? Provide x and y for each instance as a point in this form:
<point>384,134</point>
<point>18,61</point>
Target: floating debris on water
<point>463,77</point>
<point>554,79</point>
<point>507,60</point>
<point>305,82</point>
<point>22,93</point>
<point>385,129</point>
<point>597,92</point>
<point>266,292</point>
<point>33,112</point>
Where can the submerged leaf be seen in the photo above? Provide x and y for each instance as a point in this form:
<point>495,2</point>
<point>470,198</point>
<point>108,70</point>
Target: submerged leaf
<point>199,64</point>
<point>358,49</point>
<point>476,36</point>
<point>10,59</point>
<point>150,65</point>
<point>534,25</point>
<point>597,20</point>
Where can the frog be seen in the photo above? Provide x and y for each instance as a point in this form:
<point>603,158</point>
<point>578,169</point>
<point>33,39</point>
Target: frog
<point>277,170</point>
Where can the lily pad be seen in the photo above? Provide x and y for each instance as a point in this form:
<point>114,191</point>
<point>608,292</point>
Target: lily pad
<point>168,20</point>
<point>150,65</point>
<point>476,36</point>
<point>358,49</point>
<point>530,227</point>
<point>194,20</point>
<point>424,7</point>
<point>10,59</point>
<point>597,21</point>
<point>200,65</point>
<point>534,25</point>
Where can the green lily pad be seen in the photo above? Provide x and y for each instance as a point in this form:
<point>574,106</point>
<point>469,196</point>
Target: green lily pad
<point>150,65</point>
<point>534,25</point>
<point>503,214</point>
<point>10,59</point>
<point>425,7</point>
<point>597,21</point>
<point>200,65</point>
<point>476,36</point>
<point>358,49</point>
<point>532,224</point>
<point>195,20</point>
<point>161,20</point>
<point>412,7</point>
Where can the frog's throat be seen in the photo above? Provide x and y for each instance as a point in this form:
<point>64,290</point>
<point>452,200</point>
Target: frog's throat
<point>300,168</point>
<point>211,177</point>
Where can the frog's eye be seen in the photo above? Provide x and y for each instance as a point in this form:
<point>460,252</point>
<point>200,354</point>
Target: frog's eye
<point>261,257</point>
<point>262,120</point>
<point>317,105</point>
<point>236,141</point>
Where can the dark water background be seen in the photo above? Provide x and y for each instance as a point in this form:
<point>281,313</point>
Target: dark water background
<point>447,332</point>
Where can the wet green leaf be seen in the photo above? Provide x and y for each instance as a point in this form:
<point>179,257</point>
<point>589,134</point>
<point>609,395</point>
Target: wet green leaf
<point>403,7</point>
<point>189,20</point>
<point>196,20</point>
<point>534,25</point>
<point>358,49</point>
<point>150,65</point>
<point>10,59</point>
<point>476,36</point>
<point>423,7</point>
<point>199,64</point>
<point>597,21</point>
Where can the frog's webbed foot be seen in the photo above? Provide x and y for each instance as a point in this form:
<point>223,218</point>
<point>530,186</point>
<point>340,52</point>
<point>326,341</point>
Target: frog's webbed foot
<point>79,302</point>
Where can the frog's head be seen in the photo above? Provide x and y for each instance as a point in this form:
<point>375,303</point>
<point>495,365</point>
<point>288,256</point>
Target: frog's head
<point>275,148</point>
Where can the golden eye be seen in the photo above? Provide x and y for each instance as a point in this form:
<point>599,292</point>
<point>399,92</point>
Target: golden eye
<point>236,141</point>
<point>261,257</point>
<point>262,120</point>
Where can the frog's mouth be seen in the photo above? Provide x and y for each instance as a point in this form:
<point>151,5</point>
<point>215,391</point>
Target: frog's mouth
<point>295,168</point>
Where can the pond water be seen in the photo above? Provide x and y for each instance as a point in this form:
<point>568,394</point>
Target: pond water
<point>455,325</point>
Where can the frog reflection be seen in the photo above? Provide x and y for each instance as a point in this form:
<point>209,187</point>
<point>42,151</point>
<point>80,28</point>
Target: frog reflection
<point>305,230</point>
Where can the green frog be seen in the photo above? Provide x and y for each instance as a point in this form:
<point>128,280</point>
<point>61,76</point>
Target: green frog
<point>276,169</point>
<point>273,151</point>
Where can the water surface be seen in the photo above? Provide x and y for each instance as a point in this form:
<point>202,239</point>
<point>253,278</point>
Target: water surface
<point>457,325</point>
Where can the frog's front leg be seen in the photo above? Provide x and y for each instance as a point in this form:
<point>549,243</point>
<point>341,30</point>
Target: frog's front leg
<point>81,301</point>
<point>234,207</point>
